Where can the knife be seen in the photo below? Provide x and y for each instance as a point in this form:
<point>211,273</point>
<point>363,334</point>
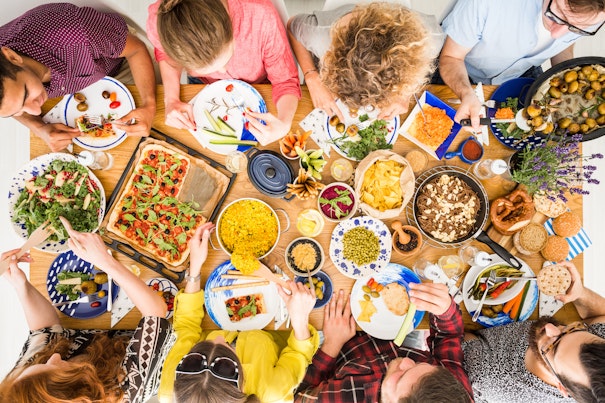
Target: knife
<point>486,121</point>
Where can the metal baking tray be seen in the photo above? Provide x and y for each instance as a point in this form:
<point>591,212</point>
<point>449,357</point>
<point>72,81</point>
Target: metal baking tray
<point>128,250</point>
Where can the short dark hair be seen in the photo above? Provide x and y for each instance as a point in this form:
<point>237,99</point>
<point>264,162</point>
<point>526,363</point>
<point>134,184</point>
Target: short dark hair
<point>8,70</point>
<point>586,6</point>
<point>204,387</point>
<point>592,357</point>
<point>438,386</point>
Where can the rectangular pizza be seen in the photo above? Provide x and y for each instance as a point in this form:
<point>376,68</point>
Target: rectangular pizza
<point>148,213</point>
<point>245,306</point>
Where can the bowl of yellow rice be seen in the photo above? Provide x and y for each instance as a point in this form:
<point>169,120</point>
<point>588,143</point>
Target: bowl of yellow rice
<point>248,229</point>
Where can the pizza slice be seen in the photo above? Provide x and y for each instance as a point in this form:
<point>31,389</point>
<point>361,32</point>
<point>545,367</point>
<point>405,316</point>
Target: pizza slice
<point>245,306</point>
<point>96,126</point>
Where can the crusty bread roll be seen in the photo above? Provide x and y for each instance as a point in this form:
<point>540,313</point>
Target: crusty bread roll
<point>567,224</point>
<point>556,248</point>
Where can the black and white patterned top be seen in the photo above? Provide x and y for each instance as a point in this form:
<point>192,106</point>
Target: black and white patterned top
<point>145,353</point>
<point>496,367</point>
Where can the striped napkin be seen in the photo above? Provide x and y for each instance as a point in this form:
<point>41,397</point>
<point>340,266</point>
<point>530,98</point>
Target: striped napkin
<point>577,243</point>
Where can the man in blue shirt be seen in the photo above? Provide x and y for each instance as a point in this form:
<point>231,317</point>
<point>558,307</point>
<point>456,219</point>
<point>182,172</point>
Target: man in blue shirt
<point>494,41</point>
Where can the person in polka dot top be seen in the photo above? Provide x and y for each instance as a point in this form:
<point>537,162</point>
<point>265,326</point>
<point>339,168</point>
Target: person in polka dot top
<point>57,49</point>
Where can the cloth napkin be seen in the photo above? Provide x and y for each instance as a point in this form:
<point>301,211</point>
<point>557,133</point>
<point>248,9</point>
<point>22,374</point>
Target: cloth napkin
<point>121,306</point>
<point>483,135</point>
<point>316,122</point>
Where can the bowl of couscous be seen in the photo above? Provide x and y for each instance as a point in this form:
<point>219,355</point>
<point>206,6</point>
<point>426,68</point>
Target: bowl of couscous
<point>248,229</point>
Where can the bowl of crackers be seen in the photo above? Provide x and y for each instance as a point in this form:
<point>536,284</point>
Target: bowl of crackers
<point>304,255</point>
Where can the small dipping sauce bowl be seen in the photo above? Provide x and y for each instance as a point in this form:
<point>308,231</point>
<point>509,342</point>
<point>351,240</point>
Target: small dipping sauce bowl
<point>470,151</point>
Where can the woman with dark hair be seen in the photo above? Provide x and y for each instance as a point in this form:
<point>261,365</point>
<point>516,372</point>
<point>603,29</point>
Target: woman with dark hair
<point>228,366</point>
<point>63,365</point>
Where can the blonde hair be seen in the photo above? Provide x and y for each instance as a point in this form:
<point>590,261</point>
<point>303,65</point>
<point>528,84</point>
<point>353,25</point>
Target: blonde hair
<point>194,33</point>
<point>96,380</point>
<point>379,55</point>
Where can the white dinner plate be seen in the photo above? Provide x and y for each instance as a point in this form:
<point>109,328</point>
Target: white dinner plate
<point>163,284</point>
<point>347,267</point>
<point>392,126</point>
<point>215,301</point>
<point>97,105</point>
<point>384,324</point>
<point>529,305</point>
<point>219,99</point>
<point>33,168</point>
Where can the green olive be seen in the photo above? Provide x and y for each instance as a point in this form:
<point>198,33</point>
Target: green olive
<point>563,87</point>
<point>554,92</point>
<point>601,120</point>
<point>375,294</point>
<point>82,106</point>
<point>564,123</point>
<point>537,121</point>
<point>589,94</point>
<point>88,287</point>
<point>366,289</point>
<point>367,297</point>
<point>555,81</point>
<point>340,127</point>
<point>549,128</point>
<point>601,108</point>
<point>591,123</point>
<point>595,85</point>
<point>570,76</point>
<point>574,128</point>
<point>352,130</point>
<point>573,87</point>
<point>334,120</point>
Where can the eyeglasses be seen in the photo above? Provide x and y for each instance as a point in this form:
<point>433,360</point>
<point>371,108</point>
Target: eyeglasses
<point>221,367</point>
<point>571,328</point>
<point>572,28</point>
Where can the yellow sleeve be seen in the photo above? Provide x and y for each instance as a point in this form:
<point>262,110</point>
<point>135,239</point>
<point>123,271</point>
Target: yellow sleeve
<point>187,323</point>
<point>272,374</point>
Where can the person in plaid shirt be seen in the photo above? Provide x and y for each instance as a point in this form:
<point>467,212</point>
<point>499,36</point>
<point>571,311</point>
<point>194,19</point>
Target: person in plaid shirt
<point>355,367</point>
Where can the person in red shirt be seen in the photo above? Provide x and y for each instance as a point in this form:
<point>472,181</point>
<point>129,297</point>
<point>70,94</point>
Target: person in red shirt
<point>231,39</point>
<point>355,367</point>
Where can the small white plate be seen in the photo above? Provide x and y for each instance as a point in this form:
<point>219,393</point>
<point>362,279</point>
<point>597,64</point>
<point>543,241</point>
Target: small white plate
<point>33,168</point>
<point>97,105</point>
<point>347,267</point>
<point>392,126</point>
<point>219,101</point>
<point>215,301</point>
<point>384,324</point>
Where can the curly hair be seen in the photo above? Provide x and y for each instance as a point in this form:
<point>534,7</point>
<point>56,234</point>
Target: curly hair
<point>95,380</point>
<point>205,387</point>
<point>380,55</point>
<point>194,33</point>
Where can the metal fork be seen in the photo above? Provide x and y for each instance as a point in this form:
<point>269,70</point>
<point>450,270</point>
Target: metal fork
<point>490,103</point>
<point>491,280</point>
<point>82,300</point>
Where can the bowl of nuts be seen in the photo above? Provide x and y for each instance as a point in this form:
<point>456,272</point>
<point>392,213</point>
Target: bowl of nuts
<point>322,285</point>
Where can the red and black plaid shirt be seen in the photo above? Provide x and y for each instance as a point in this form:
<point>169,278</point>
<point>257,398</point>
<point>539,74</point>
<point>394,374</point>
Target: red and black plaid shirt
<point>356,374</point>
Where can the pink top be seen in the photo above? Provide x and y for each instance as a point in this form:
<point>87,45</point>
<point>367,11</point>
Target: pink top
<point>261,53</point>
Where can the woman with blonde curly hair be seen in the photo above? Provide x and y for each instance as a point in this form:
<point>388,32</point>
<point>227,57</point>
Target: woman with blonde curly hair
<point>376,55</point>
<point>225,39</point>
<point>60,365</point>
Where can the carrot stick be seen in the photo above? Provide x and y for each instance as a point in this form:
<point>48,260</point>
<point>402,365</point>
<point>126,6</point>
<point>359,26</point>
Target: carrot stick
<point>515,308</point>
<point>306,135</point>
<point>509,304</point>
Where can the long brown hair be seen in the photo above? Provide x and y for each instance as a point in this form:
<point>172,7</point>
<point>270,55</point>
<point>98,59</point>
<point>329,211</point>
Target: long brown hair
<point>194,32</point>
<point>206,388</point>
<point>95,380</point>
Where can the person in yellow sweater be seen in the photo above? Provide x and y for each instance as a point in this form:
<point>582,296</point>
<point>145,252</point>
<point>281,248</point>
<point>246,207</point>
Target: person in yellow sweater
<point>227,366</point>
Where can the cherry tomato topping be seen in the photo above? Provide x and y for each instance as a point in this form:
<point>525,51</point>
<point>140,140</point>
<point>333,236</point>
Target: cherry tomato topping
<point>225,117</point>
<point>113,96</point>
<point>95,304</point>
<point>229,88</point>
<point>115,104</point>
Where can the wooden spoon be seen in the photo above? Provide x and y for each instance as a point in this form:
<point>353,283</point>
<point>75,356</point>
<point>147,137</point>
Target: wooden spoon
<point>404,238</point>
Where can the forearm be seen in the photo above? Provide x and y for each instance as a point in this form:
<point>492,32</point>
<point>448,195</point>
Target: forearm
<point>171,79</point>
<point>300,328</point>
<point>38,310</point>
<point>33,123</point>
<point>563,56</point>
<point>454,74</point>
<point>590,304</point>
<point>286,108</point>
<point>303,56</point>
<point>143,74</point>
<point>144,298</point>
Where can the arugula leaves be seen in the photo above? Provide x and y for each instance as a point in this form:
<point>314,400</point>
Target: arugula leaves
<point>372,138</point>
<point>344,197</point>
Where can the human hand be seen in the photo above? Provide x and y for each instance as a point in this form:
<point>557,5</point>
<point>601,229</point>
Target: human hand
<point>322,97</point>
<point>57,135</point>
<point>576,289</point>
<point>430,297</point>
<point>87,246</point>
<point>13,273</point>
<point>394,109</point>
<point>141,118</point>
<point>199,248</point>
<point>299,303</point>
<point>470,107</point>
<point>272,130</point>
<point>180,115</point>
<point>339,324</point>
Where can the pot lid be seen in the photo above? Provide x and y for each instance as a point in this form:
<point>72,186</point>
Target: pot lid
<point>270,173</point>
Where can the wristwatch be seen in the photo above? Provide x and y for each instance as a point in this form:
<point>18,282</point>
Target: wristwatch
<point>191,279</point>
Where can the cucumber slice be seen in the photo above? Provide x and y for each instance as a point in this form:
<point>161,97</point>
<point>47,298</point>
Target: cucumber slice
<point>213,123</point>
<point>405,326</point>
<point>217,134</point>
<point>224,126</point>
<point>234,141</point>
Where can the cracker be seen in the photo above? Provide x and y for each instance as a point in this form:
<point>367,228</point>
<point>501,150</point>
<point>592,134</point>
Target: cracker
<point>554,280</point>
<point>396,298</point>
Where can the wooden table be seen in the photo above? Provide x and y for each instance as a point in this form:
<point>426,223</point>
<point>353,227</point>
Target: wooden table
<point>243,188</point>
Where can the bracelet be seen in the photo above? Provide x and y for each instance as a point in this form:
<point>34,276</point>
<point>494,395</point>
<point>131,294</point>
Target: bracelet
<point>309,71</point>
<point>191,279</point>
